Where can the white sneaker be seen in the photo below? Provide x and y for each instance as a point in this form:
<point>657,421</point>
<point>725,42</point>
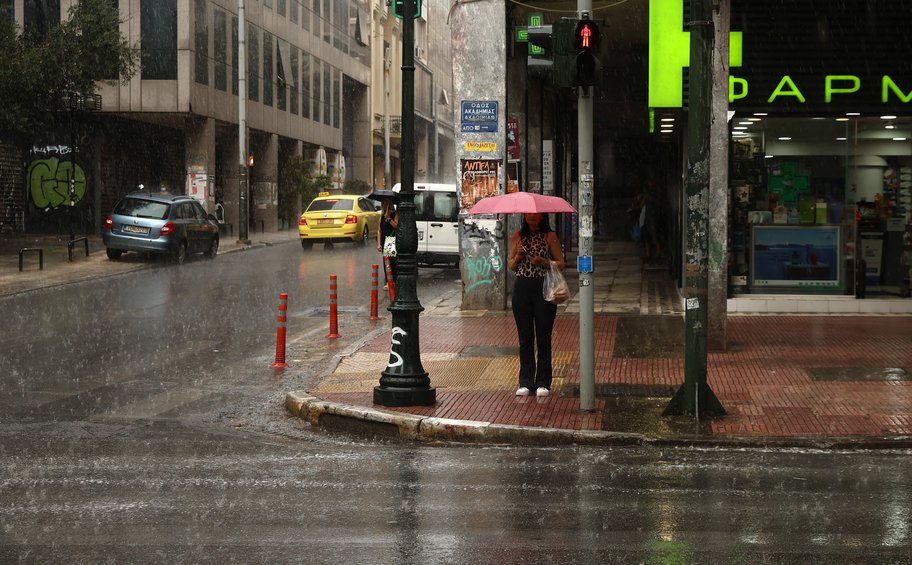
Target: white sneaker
<point>542,391</point>
<point>522,391</point>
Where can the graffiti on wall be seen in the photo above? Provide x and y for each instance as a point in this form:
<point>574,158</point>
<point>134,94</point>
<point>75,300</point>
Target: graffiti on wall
<point>482,258</point>
<point>50,178</point>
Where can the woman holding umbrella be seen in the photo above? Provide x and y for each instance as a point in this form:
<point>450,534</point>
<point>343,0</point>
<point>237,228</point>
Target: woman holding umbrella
<point>532,248</point>
<point>389,221</point>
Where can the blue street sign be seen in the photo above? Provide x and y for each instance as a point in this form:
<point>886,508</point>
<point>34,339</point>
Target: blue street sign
<point>478,116</point>
<point>584,263</point>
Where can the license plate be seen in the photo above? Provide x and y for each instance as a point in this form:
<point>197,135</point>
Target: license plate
<point>325,221</point>
<point>136,229</point>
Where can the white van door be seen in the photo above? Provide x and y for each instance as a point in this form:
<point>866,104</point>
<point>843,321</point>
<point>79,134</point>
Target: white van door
<point>441,212</point>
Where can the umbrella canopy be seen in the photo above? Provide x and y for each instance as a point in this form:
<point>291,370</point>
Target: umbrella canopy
<point>521,203</point>
<point>379,195</point>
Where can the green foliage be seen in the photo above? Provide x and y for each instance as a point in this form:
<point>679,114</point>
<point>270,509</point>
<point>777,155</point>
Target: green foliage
<point>298,186</point>
<point>356,186</point>
<point>41,74</point>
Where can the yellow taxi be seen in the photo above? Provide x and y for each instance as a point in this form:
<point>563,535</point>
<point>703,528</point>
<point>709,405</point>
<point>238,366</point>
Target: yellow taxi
<point>339,217</point>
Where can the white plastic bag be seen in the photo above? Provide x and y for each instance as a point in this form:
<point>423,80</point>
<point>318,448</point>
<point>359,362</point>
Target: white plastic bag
<point>389,246</point>
<point>555,289</point>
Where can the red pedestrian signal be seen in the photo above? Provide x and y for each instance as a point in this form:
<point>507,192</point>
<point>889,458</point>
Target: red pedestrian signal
<point>586,36</point>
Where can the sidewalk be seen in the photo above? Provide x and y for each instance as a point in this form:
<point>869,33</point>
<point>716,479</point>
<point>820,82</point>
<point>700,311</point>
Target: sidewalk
<point>822,381</point>
<point>785,380</point>
<point>58,269</point>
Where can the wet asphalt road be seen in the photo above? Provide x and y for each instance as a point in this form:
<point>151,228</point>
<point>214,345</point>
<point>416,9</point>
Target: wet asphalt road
<point>142,423</point>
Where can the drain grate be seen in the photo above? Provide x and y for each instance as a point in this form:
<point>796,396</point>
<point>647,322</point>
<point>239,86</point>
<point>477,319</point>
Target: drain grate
<point>859,374</point>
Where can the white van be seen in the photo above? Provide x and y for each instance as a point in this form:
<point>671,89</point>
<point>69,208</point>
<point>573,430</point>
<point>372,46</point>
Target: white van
<point>437,220</point>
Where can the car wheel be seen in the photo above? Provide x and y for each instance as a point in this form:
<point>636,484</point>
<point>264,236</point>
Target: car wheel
<point>307,245</point>
<point>180,255</point>
<point>113,254</point>
<point>365,236</point>
<point>213,248</point>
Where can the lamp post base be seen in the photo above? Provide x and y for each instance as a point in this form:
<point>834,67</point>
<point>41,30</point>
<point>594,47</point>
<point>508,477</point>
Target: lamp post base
<point>397,396</point>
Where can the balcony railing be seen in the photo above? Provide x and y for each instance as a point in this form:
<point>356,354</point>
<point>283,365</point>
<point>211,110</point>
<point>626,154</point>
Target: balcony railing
<point>394,121</point>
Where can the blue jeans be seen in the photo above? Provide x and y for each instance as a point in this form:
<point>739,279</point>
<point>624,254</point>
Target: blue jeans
<point>534,318</point>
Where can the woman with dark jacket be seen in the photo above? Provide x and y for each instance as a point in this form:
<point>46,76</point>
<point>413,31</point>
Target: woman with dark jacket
<point>389,221</point>
<point>532,248</point>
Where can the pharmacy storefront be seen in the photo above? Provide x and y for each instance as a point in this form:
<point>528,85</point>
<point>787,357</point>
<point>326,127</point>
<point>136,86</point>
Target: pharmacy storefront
<point>820,98</point>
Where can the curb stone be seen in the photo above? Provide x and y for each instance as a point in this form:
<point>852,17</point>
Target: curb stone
<point>428,429</point>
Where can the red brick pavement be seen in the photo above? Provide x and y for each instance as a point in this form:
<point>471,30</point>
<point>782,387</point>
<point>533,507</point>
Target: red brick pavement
<point>761,381</point>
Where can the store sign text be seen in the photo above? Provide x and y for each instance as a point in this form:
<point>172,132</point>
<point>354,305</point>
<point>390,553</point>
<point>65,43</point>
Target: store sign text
<point>833,85</point>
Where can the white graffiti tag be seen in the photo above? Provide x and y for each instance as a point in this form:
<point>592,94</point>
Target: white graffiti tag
<point>398,361</point>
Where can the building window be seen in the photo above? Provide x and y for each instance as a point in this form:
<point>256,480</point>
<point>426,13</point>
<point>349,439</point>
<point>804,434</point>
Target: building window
<point>327,92</point>
<point>280,7</point>
<point>201,36</point>
<point>281,76</point>
<point>318,17</point>
<point>40,16</point>
<point>158,39</point>
<point>267,69</point>
<point>341,23</point>
<point>253,64</point>
<point>305,85</point>
<point>267,3</point>
<point>305,15</point>
<point>327,21</point>
<point>293,99</point>
<point>337,97</point>
<point>220,43</point>
<point>234,55</point>
<point>316,89</point>
<point>293,11</point>
<point>6,9</point>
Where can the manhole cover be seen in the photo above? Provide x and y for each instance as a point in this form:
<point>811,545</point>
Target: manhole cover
<point>859,374</point>
<point>649,337</point>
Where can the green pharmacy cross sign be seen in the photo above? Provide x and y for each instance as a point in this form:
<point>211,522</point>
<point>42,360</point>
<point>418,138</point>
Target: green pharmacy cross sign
<point>522,33</point>
<point>399,9</point>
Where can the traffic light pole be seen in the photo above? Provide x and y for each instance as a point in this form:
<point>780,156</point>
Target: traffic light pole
<point>586,297</point>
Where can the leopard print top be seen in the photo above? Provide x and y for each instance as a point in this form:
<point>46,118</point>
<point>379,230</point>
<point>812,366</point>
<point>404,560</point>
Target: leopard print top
<point>535,245</point>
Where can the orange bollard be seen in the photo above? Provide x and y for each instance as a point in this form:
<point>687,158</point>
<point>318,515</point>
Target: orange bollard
<point>280,332</point>
<point>333,310</point>
<point>390,284</point>
<point>374,284</point>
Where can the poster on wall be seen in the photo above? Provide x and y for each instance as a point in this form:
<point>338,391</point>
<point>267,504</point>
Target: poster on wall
<point>796,256</point>
<point>548,166</point>
<point>513,148</point>
<point>480,178</point>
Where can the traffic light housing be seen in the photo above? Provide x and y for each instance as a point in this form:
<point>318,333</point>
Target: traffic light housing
<point>586,41</point>
<point>551,52</point>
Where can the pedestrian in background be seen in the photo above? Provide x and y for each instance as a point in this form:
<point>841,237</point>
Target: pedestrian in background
<point>389,221</point>
<point>532,248</point>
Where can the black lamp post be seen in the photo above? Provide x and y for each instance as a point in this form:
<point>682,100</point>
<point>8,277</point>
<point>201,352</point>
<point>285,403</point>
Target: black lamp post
<point>405,382</point>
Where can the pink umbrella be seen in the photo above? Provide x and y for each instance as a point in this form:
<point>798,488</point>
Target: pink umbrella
<point>521,203</point>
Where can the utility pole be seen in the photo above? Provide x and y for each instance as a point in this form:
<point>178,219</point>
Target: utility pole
<point>405,382</point>
<point>585,94</point>
<point>695,398</point>
<point>242,125</point>
<point>387,181</point>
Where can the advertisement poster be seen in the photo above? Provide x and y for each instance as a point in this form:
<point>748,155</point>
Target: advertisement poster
<point>479,179</point>
<point>513,149</point>
<point>796,256</point>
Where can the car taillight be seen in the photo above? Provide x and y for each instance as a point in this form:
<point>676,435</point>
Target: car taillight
<point>302,221</point>
<point>167,229</point>
<point>108,223</point>
<point>351,219</point>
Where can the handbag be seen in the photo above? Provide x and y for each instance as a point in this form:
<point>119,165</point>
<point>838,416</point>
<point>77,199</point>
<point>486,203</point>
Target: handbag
<point>389,246</point>
<point>555,289</point>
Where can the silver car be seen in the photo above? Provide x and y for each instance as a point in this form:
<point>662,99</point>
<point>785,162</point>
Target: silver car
<point>163,224</point>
